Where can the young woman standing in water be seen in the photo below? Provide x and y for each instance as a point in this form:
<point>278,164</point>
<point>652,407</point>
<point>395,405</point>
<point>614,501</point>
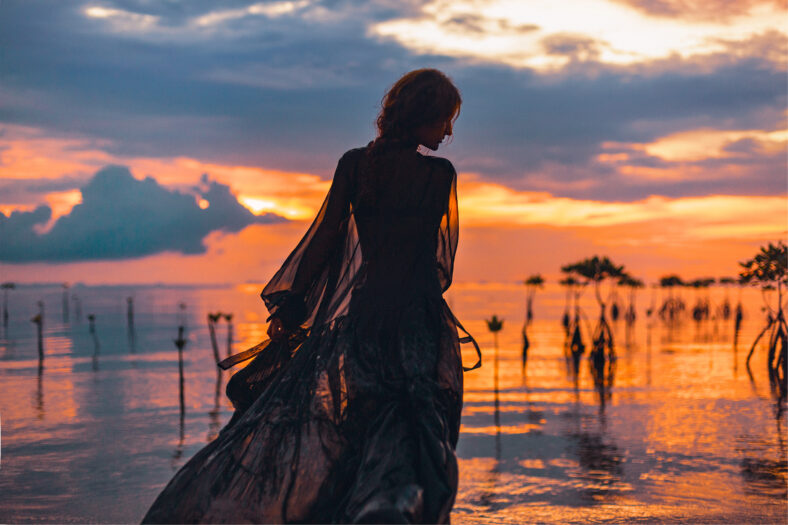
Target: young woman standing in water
<point>352,413</point>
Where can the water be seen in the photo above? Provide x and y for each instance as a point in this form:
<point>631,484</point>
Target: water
<point>682,434</point>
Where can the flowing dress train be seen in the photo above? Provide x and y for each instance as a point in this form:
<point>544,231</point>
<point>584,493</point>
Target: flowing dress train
<point>355,418</point>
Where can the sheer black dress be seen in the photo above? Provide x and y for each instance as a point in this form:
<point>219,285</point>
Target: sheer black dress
<point>356,417</point>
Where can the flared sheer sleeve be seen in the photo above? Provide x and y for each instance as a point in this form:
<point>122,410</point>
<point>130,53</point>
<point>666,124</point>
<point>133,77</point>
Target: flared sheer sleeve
<point>296,290</point>
<point>448,233</point>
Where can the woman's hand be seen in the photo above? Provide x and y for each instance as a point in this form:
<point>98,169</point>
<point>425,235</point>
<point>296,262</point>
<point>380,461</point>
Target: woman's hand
<point>276,330</point>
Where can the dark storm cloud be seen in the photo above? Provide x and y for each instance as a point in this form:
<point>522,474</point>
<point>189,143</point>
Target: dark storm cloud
<point>19,190</point>
<point>122,217</point>
<point>293,92</point>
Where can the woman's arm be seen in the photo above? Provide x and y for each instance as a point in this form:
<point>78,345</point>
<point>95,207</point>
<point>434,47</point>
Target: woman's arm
<point>298,284</point>
<point>322,245</point>
<point>448,232</point>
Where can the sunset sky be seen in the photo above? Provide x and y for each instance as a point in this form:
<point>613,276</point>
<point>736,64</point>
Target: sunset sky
<point>193,141</point>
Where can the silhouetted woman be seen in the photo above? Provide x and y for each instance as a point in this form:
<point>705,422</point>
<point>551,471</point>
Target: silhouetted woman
<point>352,413</point>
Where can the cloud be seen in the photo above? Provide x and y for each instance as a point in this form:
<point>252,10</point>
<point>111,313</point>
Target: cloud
<point>705,10</point>
<point>121,217</point>
<point>629,35</point>
<point>292,92</point>
<point>576,47</point>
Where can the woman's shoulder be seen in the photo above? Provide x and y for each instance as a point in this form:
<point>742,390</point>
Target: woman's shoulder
<point>443,168</point>
<point>441,163</point>
<point>353,155</point>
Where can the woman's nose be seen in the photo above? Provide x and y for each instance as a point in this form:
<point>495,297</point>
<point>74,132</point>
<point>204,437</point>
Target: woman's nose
<point>447,130</point>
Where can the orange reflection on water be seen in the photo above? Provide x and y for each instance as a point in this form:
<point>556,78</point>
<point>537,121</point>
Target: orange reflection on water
<point>679,434</point>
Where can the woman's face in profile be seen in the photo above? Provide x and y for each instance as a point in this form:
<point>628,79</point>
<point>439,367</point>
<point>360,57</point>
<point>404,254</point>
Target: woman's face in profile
<point>431,135</point>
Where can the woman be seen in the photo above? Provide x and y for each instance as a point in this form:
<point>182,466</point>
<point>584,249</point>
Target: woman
<point>352,413</point>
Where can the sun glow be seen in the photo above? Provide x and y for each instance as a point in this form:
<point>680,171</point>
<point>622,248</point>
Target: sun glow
<point>717,216</point>
<point>289,208</point>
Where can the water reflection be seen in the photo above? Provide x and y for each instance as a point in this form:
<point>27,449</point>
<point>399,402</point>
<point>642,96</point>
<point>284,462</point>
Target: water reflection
<point>656,435</point>
<point>600,462</point>
<point>214,415</point>
<point>131,335</point>
<point>39,403</point>
<point>77,307</point>
<point>490,496</point>
<point>96,344</point>
<point>180,343</point>
<point>603,374</point>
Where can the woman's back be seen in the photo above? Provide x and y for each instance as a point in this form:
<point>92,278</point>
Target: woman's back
<point>398,200</point>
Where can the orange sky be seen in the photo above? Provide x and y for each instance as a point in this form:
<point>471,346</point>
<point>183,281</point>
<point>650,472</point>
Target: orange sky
<point>516,233</point>
<point>651,132</point>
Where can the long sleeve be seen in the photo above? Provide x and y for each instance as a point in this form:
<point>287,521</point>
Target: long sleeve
<point>296,289</point>
<point>448,233</point>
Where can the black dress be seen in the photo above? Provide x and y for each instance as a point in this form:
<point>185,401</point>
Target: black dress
<point>356,417</point>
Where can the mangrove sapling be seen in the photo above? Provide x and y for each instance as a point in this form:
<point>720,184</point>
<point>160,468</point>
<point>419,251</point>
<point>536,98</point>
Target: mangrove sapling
<point>597,270</point>
<point>576,345</point>
<point>672,306</point>
<point>769,270</point>
<point>569,282</point>
<point>573,343</point>
<point>630,315</point>
<point>212,320</point>
<point>739,318</point>
<point>724,309</point>
<point>614,309</point>
<point>495,325</point>
<point>633,284</point>
<point>701,309</point>
<point>653,305</point>
<point>533,283</point>
<point>741,282</point>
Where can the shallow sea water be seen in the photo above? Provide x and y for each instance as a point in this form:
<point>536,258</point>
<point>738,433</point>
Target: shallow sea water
<point>681,433</point>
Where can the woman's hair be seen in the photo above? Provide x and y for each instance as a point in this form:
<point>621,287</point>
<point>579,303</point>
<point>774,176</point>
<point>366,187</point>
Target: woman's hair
<point>423,96</point>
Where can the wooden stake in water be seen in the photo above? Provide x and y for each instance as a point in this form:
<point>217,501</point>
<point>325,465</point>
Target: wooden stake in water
<point>96,346</point>
<point>130,321</point>
<point>6,287</point>
<point>65,302</point>
<point>229,319</point>
<point>180,343</point>
<point>39,321</point>
<point>77,308</point>
<point>212,320</point>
